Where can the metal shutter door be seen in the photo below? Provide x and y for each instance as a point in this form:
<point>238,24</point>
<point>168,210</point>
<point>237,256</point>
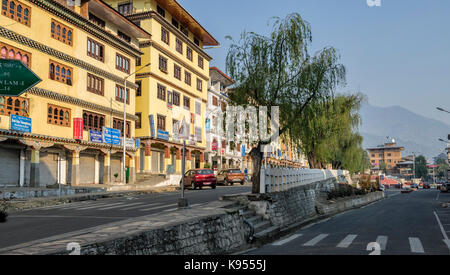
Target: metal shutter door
<point>115,168</point>
<point>9,167</point>
<point>48,168</point>
<point>87,169</point>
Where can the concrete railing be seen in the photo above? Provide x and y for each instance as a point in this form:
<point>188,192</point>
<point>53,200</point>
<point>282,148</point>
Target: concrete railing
<point>276,179</point>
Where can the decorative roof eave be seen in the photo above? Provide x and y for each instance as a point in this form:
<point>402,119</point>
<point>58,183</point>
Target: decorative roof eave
<point>11,35</point>
<point>16,135</point>
<point>77,101</point>
<point>83,23</point>
<point>162,21</point>
<point>155,140</point>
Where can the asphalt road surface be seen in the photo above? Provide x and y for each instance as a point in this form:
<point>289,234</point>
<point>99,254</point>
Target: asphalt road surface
<point>40,223</point>
<point>401,224</point>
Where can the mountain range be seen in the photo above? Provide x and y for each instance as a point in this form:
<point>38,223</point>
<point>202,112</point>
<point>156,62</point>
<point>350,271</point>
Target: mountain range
<point>415,132</point>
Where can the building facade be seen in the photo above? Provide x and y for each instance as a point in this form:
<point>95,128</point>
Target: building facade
<point>390,154</point>
<point>82,54</point>
<point>172,87</point>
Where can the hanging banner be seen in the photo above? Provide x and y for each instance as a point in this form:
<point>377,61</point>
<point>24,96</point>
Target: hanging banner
<point>78,128</point>
<point>152,126</point>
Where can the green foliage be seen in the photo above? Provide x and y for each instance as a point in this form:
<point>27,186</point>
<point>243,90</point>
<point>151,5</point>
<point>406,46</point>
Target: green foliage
<point>441,171</point>
<point>207,165</point>
<point>277,70</point>
<point>421,167</point>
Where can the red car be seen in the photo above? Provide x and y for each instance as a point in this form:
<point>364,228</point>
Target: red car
<point>199,178</point>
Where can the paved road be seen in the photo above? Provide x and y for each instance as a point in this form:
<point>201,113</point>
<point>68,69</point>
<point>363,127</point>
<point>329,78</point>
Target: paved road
<point>30,225</point>
<point>411,224</point>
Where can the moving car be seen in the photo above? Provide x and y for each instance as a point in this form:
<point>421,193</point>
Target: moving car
<point>198,178</point>
<point>231,176</point>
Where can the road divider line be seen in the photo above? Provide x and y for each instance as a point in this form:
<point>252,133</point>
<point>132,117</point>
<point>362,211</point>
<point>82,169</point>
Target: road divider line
<point>382,241</point>
<point>285,241</point>
<point>347,241</point>
<point>316,240</point>
<point>447,242</point>
<point>440,225</point>
<point>416,245</point>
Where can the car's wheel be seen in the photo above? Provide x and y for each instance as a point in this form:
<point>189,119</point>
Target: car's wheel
<point>213,187</point>
<point>242,182</point>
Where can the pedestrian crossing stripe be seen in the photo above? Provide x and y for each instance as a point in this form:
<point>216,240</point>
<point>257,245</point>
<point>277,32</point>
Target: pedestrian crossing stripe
<point>347,241</point>
<point>316,240</point>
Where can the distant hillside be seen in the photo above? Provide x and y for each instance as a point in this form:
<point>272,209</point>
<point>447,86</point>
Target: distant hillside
<point>415,132</point>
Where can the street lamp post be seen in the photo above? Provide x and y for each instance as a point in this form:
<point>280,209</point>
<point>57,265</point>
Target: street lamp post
<point>124,138</point>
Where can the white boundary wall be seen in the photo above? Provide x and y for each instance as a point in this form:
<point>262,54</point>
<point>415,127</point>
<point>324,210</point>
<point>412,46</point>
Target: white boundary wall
<point>276,179</point>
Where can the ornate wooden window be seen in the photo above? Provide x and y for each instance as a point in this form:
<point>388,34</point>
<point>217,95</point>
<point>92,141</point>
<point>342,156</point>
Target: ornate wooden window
<point>161,92</point>
<point>164,35</point>
<point>10,52</point>
<point>137,124</point>
<point>179,45</point>
<point>139,88</point>
<point>163,63</point>
<point>122,63</point>
<point>125,9</point>
<point>97,21</point>
<point>13,105</point>
<point>184,30</point>
<point>118,124</point>
<point>95,84</point>
<point>187,102</point>
<point>161,11</point>
<point>120,94</point>
<point>161,122</point>
<point>61,73</point>
<point>176,98</point>
<point>189,54</point>
<point>58,115</point>
<point>61,32</point>
<point>200,62</point>
<point>123,36</point>
<point>17,11</point>
<point>177,71</point>
<point>215,101</point>
<point>199,85</point>
<point>196,41</point>
<point>93,121</point>
<point>95,50</point>
<point>187,78</point>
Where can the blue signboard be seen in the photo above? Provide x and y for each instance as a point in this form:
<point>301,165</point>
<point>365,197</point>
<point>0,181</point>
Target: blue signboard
<point>279,152</point>
<point>152,126</point>
<point>137,143</point>
<point>111,136</point>
<point>208,125</point>
<point>243,150</point>
<point>20,123</point>
<point>163,135</point>
<point>95,136</point>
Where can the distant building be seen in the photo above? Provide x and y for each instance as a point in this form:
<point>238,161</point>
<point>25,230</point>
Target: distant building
<point>389,153</point>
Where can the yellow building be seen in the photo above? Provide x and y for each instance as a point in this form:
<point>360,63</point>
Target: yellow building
<point>82,53</point>
<point>173,87</point>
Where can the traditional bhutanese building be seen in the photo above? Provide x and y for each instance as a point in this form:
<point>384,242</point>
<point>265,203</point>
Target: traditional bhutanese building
<point>173,87</point>
<point>82,51</point>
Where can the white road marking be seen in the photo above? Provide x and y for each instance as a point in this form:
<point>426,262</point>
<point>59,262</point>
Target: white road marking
<point>158,207</point>
<point>382,241</point>
<point>437,197</point>
<point>285,241</point>
<point>347,241</point>
<point>317,239</point>
<point>416,245</point>
<point>98,205</point>
<point>119,205</point>
<point>442,228</point>
<point>170,210</point>
<point>447,242</point>
<point>140,204</point>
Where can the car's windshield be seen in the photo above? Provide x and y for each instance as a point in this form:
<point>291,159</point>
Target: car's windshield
<point>204,172</point>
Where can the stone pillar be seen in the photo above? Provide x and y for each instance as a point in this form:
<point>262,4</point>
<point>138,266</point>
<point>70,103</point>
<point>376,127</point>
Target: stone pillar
<point>107,168</point>
<point>179,160</point>
<point>188,160</point>
<point>202,160</point>
<point>148,158</point>
<point>166,158</point>
<point>75,168</point>
<point>132,167</point>
<point>35,164</point>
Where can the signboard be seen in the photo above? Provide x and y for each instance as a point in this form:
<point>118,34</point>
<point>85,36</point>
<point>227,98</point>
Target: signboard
<point>20,123</point>
<point>214,146</point>
<point>243,150</point>
<point>78,128</point>
<point>208,125</point>
<point>111,136</point>
<point>95,136</point>
<point>152,126</point>
<point>15,77</point>
<point>163,135</point>
<point>129,142</point>
<point>181,130</point>
<point>137,143</point>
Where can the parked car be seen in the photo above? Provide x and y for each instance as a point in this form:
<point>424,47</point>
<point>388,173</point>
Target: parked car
<point>198,178</point>
<point>426,186</point>
<point>230,176</point>
<point>445,187</point>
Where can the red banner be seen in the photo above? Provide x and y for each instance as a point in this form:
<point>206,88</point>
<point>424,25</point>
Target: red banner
<point>214,146</point>
<point>78,128</point>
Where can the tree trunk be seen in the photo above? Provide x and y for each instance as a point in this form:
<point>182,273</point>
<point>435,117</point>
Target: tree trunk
<point>256,155</point>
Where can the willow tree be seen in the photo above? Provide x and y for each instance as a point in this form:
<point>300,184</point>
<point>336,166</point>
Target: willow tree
<point>277,70</point>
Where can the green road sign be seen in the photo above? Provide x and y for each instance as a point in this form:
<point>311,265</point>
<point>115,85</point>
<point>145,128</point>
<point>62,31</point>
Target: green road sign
<point>15,78</point>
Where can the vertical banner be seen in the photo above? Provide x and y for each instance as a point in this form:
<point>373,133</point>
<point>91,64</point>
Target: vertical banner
<point>152,126</point>
<point>78,128</point>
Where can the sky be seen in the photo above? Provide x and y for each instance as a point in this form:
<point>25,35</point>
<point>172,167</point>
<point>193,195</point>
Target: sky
<point>396,54</point>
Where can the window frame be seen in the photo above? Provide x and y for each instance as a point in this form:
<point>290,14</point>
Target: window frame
<point>101,48</point>
<point>58,121</point>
